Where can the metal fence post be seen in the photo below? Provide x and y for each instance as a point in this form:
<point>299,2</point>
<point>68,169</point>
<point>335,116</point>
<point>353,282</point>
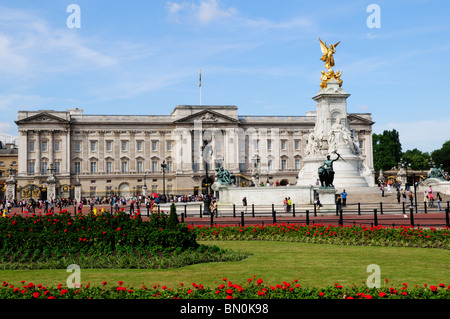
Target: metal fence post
<point>234,210</point>
<point>274,216</point>
<point>425,207</point>
<point>411,211</point>
<point>253,210</point>
<point>212,219</point>
<point>381,208</point>
<point>341,220</point>
<point>375,217</point>
<point>293,210</point>
<point>307,217</point>
<point>447,220</point>
<point>359,208</point>
<point>242,219</point>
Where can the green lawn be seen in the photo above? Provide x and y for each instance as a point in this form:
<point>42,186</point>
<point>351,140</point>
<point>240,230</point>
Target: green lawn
<point>312,264</point>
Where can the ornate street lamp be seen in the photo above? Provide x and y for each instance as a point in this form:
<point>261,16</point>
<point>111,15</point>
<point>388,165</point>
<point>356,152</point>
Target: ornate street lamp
<point>163,169</point>
<point>206,160</point>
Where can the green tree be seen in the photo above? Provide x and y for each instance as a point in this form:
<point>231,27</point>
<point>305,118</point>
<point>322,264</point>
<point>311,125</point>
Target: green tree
<point>442,156</point>
<point>387,150</point>
<point>173,218</point>
<point>419,160</point>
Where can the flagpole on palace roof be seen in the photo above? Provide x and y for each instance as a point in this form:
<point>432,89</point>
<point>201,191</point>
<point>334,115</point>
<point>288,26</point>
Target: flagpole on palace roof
<point>200,85</point>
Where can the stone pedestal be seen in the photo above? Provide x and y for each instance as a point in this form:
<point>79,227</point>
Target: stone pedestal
<point>327,198</point>
<point>144,191</point>
<point>436,184</point>
<point>51,190</point>
<point>10,193</point>
<point>299,195</point>
<point>77,192</point>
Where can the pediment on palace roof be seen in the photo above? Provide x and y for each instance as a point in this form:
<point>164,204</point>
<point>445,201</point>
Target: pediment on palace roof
<point>42,118</point>
<point>358,119</point>
<point>207,116</point>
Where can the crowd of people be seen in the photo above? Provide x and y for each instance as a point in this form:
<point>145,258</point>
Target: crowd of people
<point>116,202</point>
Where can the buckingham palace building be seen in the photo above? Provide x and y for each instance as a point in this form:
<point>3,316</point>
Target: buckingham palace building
<point>175,154</point>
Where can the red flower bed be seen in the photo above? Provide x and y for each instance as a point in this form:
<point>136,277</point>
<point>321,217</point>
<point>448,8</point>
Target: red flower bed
<point>253,288</point>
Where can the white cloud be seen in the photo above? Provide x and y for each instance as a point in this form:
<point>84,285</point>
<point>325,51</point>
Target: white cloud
<point>208,11</point>
<point>30,45</point>
<point>204,12</point>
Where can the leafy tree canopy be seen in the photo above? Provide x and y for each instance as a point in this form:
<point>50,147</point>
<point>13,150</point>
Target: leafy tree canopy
<point>442,156</point>
<point>418,159</point>
<point>387,150</point>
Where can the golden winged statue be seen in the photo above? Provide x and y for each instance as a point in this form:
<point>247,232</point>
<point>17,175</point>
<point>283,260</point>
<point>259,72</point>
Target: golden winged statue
<point>327,57</point>
<point>328,52</point>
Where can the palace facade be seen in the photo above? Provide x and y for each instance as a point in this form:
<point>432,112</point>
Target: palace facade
<point>120,154</point>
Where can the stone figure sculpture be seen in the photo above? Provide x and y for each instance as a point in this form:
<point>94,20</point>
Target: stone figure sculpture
<point>326,171</point>
<point>436,173</point>
<point>224,177</point>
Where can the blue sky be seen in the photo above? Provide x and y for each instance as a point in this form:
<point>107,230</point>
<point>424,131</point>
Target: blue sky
<point>144,57</point>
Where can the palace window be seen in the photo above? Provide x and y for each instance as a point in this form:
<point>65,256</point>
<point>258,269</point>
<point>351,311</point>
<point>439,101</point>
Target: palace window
<point>139,145</point>
<point>93,167</point>
<point>93,146</point>
<point>109,167</point>
<point>77,167</point>
<point>139,166</point>
<point>283,164</point>
<point>124,145</point>
<point>124,166</point>
<point>31,167</point>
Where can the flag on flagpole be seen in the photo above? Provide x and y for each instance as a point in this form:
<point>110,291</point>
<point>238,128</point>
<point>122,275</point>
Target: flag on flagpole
<point>200,79</point>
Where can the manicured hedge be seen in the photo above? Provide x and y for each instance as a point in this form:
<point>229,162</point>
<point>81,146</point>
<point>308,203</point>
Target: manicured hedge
<point>55,240</point>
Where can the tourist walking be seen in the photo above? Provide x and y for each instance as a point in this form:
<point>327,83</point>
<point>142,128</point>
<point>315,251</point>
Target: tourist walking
<point>339,202</point>
<point>431,199</point>
<point>411,197</point>
<point>344,198</point>
<point>244,203</point>
<point>438,200</point>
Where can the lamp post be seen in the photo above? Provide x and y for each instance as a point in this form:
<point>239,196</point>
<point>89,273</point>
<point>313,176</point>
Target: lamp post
<point>415,188</point>
<point>206,160</point>
<point>405,164</point>
<point>163,168</point>
<point>207,199</point>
